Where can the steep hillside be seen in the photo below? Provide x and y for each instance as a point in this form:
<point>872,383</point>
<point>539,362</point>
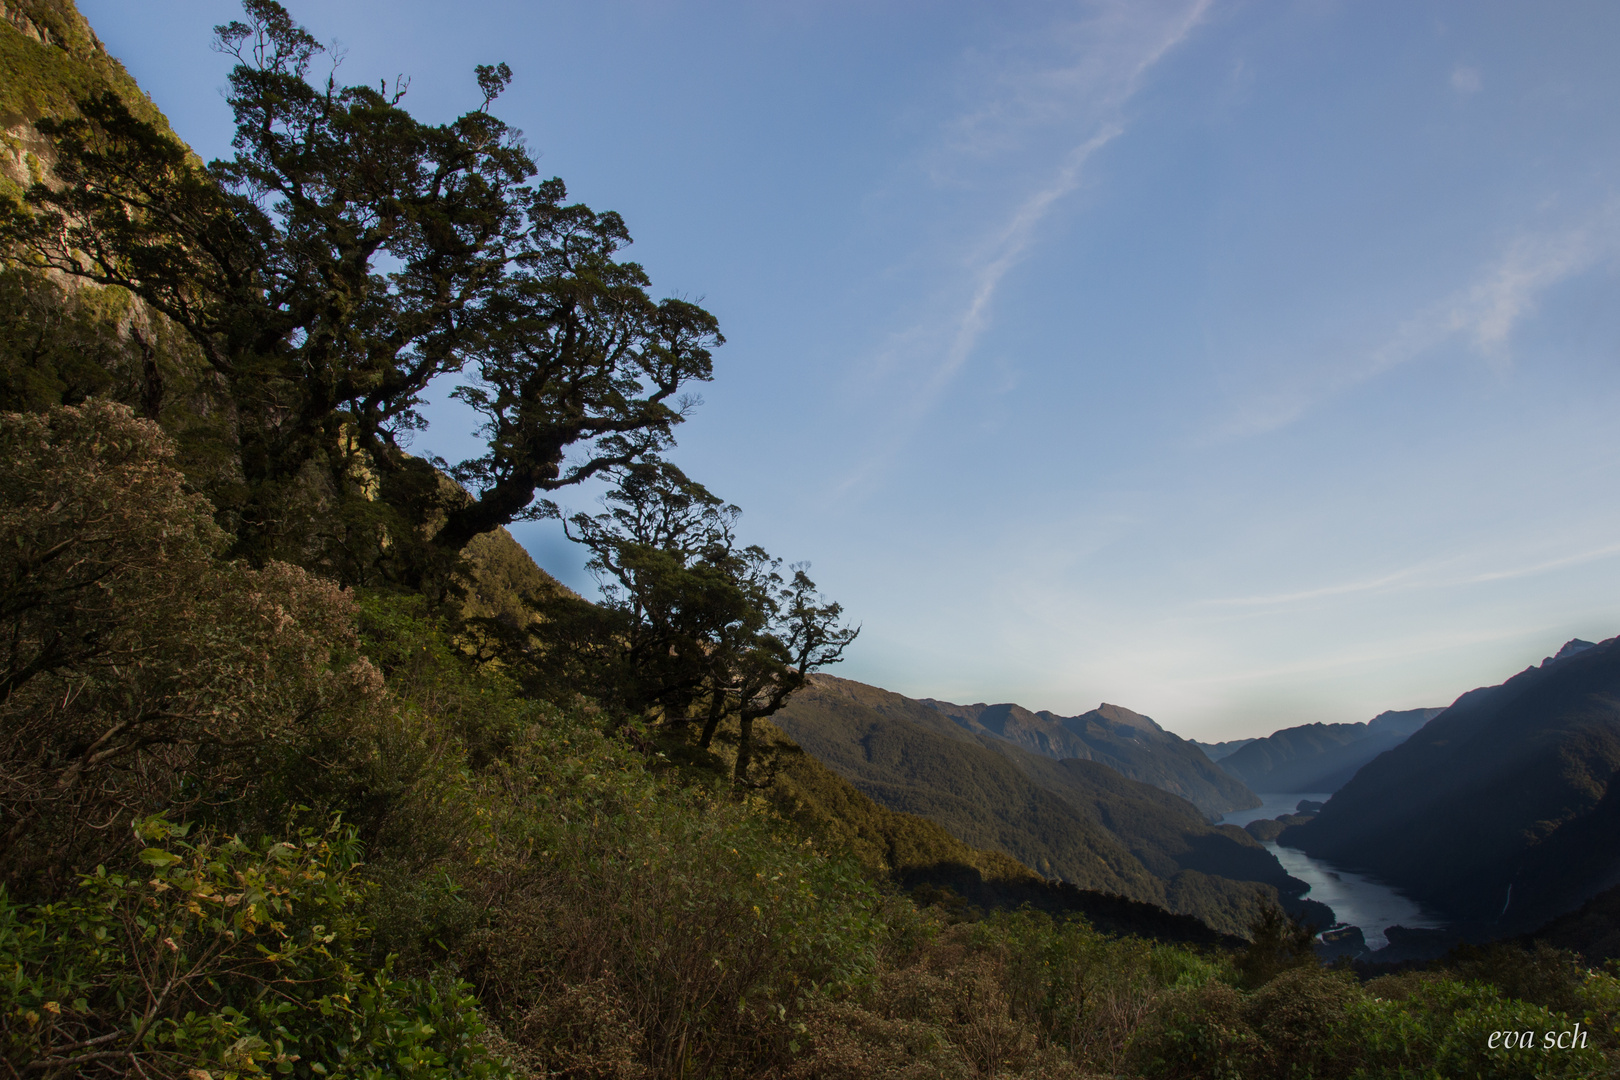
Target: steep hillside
<point>1502,812</point>
<point>51,57</point>
<point>1592,930</point>
<point>913,851</point>
<point>1215,751</point>
<point>1073,819</point>
<point>1117,737</point>
<point>66,340</point>
<point>1321,757</point>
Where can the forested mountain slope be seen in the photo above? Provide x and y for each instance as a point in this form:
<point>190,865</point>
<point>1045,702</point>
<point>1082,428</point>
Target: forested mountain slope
<point>1503,811</point>
<point>1124,740</point>
<point>1321,757</point>
<point>1073,819</point>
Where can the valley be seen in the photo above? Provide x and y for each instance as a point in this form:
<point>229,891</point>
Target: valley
<point>1357,901</point>
<point>1411,817</point>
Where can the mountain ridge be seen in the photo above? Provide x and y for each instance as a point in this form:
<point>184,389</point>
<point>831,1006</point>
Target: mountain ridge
<point>1125,740</point>
<point>1503,811</point>
<point>1074,819</point>
<point>1321,757</point>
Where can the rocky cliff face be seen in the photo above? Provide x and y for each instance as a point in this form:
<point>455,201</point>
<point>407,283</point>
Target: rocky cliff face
<point>68,340</point>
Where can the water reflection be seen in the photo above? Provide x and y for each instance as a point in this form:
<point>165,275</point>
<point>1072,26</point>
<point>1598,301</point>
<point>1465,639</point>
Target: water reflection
<point>1355,898</point>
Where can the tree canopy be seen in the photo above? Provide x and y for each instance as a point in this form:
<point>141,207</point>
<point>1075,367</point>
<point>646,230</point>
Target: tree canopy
<point>343,259</point>
<point>695,629</point>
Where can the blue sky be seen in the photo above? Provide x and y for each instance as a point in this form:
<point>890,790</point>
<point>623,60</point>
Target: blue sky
<point>1246,364</point>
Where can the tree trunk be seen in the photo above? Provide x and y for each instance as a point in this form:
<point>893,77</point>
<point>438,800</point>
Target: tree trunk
<point>744,748</point>
<point>717,712</point>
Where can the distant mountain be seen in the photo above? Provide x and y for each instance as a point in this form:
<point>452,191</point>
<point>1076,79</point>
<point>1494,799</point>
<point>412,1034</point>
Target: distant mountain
<point>1321,757</point>
<point>1124,740</point>
<point>1571,647</point>
<point>1217,750</point>
<point>1504,811</point>
<point>1076,820</point>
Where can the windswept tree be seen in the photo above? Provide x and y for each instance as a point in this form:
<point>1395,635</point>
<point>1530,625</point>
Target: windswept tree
<point>343,259</point>
<point>706,629</point>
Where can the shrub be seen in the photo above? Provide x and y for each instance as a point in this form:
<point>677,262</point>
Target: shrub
<point>1085,991</point>
<point>138,672</point>
<point>1198,1032</point>
<point>683,913</point>
<point>228,959</point>
<point>1442,1027</point>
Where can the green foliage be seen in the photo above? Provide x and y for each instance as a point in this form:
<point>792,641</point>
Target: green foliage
<point>46,77</point>
<point>695,617</point>
<point>1537,973</point>
<point>138,673</point>
<point>1082,990</point>
<point>59,349</point>
<point>229,958</point>
<point>693,913</point>
<point>1276,944</point>
<point>555,886</point>
<point>1445,1027</point>
<point>1313,1023</point>
<point>607,912</point>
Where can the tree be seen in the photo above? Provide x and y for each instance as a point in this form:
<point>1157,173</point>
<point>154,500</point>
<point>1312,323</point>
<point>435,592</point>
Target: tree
<point>702,621</point>
<point>1277,943</point>
<point>803,634</point>
<point>344,258</point>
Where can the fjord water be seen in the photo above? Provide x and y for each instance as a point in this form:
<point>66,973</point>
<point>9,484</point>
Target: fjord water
<point>1355,898</point>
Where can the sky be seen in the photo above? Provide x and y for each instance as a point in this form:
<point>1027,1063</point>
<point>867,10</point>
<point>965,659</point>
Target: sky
<point>1245,364</point>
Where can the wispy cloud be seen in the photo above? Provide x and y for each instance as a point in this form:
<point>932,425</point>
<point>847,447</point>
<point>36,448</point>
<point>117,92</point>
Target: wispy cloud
<point>1073,103</point>
<point>1509,290</point>
<point>1014,242</point>
<point>1484,313</point>
<point>1114,47</point>
<point>1432,575</point>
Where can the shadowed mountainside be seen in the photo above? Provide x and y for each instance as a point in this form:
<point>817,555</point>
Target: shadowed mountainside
<point>1321,757</point>
<point>1502,812</point>
<point>1593,929</point>
<point>1123,740</point>
<point>1215,751</point>
<point>1076,820</point>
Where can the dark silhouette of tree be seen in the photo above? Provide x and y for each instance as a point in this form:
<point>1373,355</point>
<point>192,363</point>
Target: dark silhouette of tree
<point>344,258</point>
<point>1276,944</point>
<point>705,623</point>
